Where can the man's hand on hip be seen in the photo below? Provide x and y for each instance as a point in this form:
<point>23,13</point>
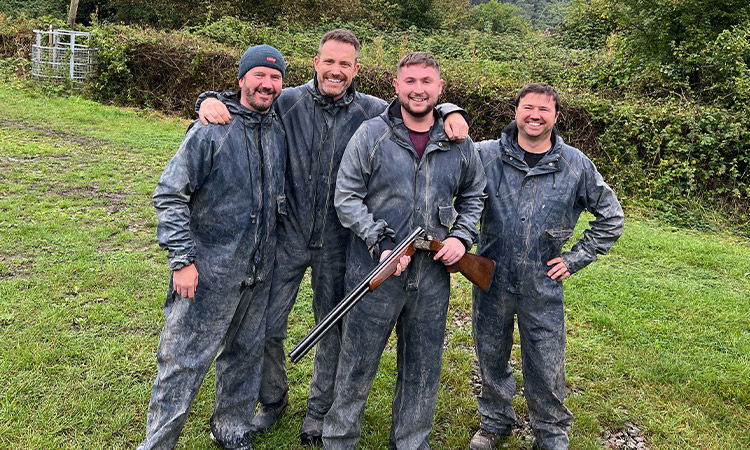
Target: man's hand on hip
<point>559,270</point>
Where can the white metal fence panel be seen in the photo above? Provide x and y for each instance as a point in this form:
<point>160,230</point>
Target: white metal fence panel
<point>62,55</point>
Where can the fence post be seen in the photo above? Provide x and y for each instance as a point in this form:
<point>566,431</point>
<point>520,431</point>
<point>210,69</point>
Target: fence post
<point>71,68</point>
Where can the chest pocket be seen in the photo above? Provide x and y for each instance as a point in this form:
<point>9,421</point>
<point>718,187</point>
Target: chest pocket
<point>447,215</point>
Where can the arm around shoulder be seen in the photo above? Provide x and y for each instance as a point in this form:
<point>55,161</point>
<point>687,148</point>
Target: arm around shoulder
<point>446,109</point>
<point>456,125</point>
<point>210,107</point>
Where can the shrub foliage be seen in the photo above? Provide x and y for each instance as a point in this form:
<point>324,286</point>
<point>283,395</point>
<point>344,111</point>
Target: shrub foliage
<point>650,140</point>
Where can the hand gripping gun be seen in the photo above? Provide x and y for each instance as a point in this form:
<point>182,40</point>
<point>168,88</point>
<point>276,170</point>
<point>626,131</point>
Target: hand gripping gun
<point>477,269</point>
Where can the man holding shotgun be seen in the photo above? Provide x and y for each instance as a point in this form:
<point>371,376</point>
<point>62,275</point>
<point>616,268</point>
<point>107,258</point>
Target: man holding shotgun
<point>400,172</point>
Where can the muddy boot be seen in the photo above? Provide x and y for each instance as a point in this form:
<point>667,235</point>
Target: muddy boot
<point>484,440</point>
<point>267,415</point>
<point>312,431</point>
<point>245,446</point>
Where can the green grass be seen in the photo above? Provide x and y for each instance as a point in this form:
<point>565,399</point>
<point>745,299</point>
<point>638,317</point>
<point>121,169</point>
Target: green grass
<point>658,331</point>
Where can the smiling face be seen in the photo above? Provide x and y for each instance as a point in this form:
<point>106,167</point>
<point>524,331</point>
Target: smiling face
<point>336,66</point>
<point>535,117</point>
<point>418,87</point>
<point>259,87</point>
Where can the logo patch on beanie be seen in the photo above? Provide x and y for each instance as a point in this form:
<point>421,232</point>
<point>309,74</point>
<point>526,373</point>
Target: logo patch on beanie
<point>268,58</point>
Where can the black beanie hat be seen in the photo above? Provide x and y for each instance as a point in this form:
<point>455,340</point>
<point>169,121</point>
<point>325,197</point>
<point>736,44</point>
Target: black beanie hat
<point>261,55</point>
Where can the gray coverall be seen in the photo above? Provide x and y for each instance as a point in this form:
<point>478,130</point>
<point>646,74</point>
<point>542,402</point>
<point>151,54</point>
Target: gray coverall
<point>528,216</point>
<point>217,203</point>
<point>384,189</point>
<point>318,130</point>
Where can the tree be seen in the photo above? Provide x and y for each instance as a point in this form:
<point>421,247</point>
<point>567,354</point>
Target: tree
<point>541,13</point>
<point>697,42</point>
<point>553,13</point>
<point>657,28</point>
<point>697,47</point>
<point>590,22</point>
<point>72,11</point>
<point>498,18</point>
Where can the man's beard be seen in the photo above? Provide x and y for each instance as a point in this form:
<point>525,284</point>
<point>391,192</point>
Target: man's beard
<point>258,106</point>
<point>430,106</point>
<point>339,90</point>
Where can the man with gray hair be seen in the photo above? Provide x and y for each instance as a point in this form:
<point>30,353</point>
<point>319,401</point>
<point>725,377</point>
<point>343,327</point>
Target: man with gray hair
<point>400,171</point>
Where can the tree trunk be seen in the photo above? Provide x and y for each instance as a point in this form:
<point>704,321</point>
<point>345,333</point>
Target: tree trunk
<point>72,13</point>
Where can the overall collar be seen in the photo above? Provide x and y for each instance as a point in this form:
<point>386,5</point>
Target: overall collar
<point>393,117</point>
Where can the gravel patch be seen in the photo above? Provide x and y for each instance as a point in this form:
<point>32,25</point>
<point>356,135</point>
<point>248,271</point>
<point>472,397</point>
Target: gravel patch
<point>628,438</point>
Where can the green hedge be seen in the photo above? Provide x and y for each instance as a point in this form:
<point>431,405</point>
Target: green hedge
<point>669,149</point>
<point>16,35</point>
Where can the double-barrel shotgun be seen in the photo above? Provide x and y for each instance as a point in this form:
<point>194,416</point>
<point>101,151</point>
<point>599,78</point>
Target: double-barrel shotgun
<point>477,269</point>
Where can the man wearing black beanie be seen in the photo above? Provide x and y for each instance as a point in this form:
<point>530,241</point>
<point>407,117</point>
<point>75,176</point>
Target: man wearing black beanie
<point>217,203</point>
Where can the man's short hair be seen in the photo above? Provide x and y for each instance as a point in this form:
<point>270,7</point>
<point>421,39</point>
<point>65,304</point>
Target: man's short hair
<point>538,88</point>
<point>421,58</point>
<point>340,35</point>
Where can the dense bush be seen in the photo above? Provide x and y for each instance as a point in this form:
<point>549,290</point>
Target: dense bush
<point>664,31</point>
<point>16,34</point>
<point>57,9</point>
<point>542,14</point>
<point>667,148</point>
<point>673,149</point>
<point>176,14</point>
<point>589,23</point>
<point>695,48</point>
<point>163,70</point>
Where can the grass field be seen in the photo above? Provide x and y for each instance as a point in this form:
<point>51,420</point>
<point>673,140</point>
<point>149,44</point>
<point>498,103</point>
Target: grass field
<point>658,331</point>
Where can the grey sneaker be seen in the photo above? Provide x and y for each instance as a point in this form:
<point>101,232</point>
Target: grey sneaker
<point>312,431</point>
<point>267,415</point>
<point>484,440</point>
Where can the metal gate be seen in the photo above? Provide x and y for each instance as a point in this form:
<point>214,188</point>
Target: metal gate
<point>60,55</point>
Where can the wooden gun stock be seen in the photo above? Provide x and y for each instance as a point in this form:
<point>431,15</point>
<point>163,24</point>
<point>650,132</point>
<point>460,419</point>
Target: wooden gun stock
<point>477,269</point>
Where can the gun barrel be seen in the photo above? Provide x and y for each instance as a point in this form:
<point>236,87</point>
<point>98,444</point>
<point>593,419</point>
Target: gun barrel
<point>343,307</point>
<point>325,325</point>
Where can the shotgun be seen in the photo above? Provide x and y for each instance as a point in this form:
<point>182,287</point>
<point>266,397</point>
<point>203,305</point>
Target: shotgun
<point>477,269</point>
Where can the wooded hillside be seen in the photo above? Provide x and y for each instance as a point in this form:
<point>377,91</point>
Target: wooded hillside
<point>657,93</point>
